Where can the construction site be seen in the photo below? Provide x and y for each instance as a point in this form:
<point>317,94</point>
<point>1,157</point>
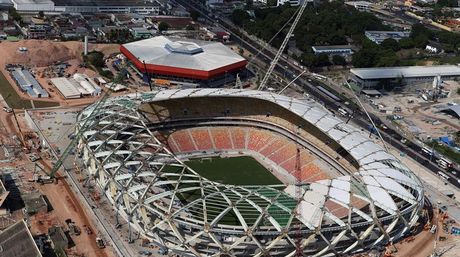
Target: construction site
<point>73,176</point>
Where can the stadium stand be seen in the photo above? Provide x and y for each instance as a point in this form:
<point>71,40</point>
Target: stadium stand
<point>276,148</point>
<point>237,108</point>
<point>221,138</point>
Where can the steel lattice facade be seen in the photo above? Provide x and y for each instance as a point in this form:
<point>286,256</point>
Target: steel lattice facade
<point>134,169</point>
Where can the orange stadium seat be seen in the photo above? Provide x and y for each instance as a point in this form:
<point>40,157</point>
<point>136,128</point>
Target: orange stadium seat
<point>221,137</point>
<point>183,141</point>
<point>258,139</point>
<point>289,150</point>
<point>202,138</point>
<point>238,138</point>
<point>273,146</point>
<point>338,210</point>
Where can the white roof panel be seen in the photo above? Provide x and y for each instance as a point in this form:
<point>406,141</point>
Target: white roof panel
<point>190,54</point>
<point>407,72</point>
<point>382,198</point>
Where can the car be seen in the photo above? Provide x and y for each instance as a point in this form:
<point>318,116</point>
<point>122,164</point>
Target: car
<point>146,253</point>
<point>7,109</point>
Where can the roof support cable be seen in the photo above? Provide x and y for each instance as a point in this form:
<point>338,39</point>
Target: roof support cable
<point>368,116</point>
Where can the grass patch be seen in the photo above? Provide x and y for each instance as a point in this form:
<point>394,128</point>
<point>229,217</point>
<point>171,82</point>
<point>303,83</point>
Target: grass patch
<point>446,151</point>
<point>236,171</point>
<point>243,170</point>
<point>15,101</point>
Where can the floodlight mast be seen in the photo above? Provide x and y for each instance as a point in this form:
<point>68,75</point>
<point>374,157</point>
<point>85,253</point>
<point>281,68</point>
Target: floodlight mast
<point>88,120</point>
<point>282,47</point>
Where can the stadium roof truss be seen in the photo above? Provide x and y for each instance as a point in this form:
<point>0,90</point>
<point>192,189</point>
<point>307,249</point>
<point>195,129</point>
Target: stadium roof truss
<point>170,203</point>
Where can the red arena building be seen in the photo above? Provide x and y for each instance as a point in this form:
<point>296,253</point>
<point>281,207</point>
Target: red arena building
<point>174,61</point>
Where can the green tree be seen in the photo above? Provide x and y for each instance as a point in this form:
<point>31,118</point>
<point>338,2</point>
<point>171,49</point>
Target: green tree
<point>387,58</point>
<point>249,4</point>
<point>15,15</point>
<point>163,26</point>
<point>406,43</point>
<point>322,60</point>
<point>391,44</point>
<point>420,41</point>
<point>194,15</point>
<point>96,59</point>
<point>240,17</point>
<point>339,60</point>
<point>308,59</point>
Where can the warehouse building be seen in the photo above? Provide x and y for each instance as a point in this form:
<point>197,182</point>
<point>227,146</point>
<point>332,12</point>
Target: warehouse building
<point>186,63</point>
<point>78,86</point>
<point>17,241</point>
<point>26,81</point>
<point>373,77</point>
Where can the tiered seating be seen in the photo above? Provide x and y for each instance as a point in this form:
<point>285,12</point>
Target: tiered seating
<point>202,138</point>
<point>338,210</point>
<point>289,150</point>
<point>277,148</point>
<point>273,146</point>
<point>238,137</point>
<point>258,139</point>
<point>221,138</point>
<point>311,173</point>
<point>289,164</point>
<point>357,202</point>
<point>183,141</point>
<point>172,145</point>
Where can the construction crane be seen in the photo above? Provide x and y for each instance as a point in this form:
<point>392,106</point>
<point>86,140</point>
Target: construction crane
<point>283,46</point>
<point>87,122</point>
<point>17,123</point>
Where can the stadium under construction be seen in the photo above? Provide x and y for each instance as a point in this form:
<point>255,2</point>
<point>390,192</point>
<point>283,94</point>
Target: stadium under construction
<point>335,190</point>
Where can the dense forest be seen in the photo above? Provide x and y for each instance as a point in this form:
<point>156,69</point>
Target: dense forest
<point>333,23</point>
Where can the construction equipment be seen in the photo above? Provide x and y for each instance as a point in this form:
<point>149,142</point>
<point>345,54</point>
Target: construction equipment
<point>100,243</point>
<point>73,228</point>
<point>283,46</point>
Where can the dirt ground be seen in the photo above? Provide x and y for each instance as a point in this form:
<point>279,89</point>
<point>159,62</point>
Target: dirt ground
<point>421,118</point>
<point>67,207</point>
<point>41,54</point>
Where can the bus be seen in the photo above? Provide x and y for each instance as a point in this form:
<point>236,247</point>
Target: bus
<point>343,112</point>
<point>427,151</point>
<point>443,175</point>
<point>444,163</point>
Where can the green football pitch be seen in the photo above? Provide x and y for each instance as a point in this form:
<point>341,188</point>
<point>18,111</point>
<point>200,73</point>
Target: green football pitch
<point>242,170</point>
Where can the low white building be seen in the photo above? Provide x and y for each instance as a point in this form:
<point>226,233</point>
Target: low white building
<point>372,77</point>
<point>343,50</point>
<point>33,5</point>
